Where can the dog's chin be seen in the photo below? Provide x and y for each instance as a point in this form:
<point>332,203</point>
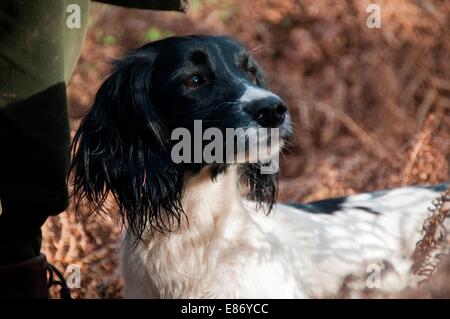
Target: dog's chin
<point>262,149</point>
<point>263,153</point>
<point>257,152</point>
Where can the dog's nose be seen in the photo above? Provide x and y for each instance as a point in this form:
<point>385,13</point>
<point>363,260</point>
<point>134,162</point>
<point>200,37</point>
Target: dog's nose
<point>268,112</point>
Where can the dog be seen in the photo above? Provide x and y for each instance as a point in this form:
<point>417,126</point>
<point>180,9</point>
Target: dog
<point>197,229</point>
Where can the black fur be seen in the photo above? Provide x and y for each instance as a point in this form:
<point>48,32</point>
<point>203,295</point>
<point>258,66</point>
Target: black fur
<point>123,145</point>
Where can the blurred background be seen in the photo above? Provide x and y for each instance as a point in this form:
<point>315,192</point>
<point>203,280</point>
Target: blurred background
<point>371,107</point>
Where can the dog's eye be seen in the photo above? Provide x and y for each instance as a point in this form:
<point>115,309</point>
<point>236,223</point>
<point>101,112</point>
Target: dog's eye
<point>194,81</point>
<point>251,71</point>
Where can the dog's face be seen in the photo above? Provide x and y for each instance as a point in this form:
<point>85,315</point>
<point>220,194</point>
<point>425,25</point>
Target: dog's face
<point>213,79</point>
<point>124,145</point>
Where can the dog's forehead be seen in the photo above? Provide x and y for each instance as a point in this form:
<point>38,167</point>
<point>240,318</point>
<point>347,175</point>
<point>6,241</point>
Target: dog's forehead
<point>182,48</point>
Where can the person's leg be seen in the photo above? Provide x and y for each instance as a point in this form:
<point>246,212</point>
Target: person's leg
<point>37,53</point>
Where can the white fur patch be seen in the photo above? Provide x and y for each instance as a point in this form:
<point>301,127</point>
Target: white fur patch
<point>252,93</point>
<point>229,249</point>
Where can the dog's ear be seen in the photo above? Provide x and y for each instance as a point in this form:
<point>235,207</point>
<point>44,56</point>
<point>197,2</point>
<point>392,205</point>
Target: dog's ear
<point>122,148</point>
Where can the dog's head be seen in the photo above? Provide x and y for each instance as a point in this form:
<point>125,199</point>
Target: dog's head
<point>168,108</point>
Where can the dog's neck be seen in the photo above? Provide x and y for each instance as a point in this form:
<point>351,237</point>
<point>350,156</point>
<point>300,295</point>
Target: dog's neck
<point>208,202</point>
<point>213,207</point>
<point>217,221</point>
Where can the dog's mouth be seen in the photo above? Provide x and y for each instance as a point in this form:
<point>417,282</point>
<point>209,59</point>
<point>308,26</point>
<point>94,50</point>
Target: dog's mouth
<point>259,145</point>
<point>204,144</point>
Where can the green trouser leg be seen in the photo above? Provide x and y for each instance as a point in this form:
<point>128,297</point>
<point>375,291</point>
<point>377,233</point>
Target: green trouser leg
<point>38,52</point>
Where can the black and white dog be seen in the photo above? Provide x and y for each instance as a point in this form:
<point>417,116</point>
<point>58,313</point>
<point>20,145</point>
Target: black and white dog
<point>202,230</point>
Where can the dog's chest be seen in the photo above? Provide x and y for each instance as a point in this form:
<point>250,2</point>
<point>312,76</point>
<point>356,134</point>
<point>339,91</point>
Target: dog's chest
<point>229,268</point>
<point>291,253</point>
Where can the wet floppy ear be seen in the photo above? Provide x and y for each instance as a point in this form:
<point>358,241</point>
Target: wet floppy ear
<point>123,148</point>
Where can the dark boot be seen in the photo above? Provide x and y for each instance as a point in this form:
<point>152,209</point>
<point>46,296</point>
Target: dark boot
<point>24,280</point>
<point>23,269</point>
